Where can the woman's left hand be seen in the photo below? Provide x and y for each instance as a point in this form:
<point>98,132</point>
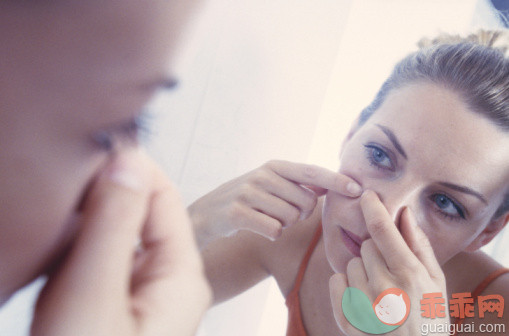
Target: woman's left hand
<point>390,259</point>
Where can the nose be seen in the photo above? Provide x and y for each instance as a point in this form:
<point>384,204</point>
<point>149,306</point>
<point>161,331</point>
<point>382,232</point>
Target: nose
<point>395,197</point>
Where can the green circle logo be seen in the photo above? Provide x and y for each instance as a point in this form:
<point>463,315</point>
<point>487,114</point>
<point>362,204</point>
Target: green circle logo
<point>388,312</point>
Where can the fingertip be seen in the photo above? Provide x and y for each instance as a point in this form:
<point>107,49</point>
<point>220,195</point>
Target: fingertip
<point>368,193</point>
<point>409,215</point>
<point>354,189</point>
<point>409,221</point>
<point>126,169</point>
<point>347,186</point>
<point>410,230</point>
<point>367,197</point>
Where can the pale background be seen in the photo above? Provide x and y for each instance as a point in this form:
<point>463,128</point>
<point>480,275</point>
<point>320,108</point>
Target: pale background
<point>280,79</point>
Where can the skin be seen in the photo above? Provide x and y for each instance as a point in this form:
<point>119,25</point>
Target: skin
<point>448,155</point>
<point>432,252</point>
<point>71,71</point>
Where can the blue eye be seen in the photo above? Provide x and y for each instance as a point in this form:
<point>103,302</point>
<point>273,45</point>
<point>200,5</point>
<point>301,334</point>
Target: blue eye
<point>447,206</point>
<point>378,157</point>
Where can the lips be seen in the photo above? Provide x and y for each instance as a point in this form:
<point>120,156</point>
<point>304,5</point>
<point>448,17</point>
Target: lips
<point>352,242</point>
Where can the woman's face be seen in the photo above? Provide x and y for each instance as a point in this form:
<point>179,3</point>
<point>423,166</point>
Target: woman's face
<point>423,148</point>
<point>70,70</point>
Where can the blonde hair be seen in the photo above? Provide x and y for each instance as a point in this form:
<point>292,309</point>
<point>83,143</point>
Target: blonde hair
<point>476,67</point>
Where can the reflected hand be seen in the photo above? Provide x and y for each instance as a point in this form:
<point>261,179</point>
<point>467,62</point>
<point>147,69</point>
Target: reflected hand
<point>265,200</point>
<point>108,286</point>
<point>390,259</point>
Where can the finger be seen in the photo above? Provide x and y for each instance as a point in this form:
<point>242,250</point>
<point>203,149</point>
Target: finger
<point>356,273</point>
<point>419,243</point>
<point>112,218</point>
<point>97,269</point>
<point>172,269</point>
<point>273,206</point>
<point>385,234</point>
<point>374,263</point>
<point>167,239</point>
<point>337,286</point>
<point>300,196</point>
<point>317,190</point>
<point>258,222</point>
<point>317,176</point>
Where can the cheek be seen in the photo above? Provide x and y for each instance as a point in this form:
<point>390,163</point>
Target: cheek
<point>339,211</point>
<point>354,163</point>
<point>447,241</point>
<point>40,191</point>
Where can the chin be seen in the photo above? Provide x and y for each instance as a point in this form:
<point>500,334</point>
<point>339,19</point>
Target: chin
<point>335,253</point>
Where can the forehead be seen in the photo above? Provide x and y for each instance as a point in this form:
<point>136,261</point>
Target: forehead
<point>85,60</point>
<point>444,137</point>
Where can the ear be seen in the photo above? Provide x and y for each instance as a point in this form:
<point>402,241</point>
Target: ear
<point>488,233</point>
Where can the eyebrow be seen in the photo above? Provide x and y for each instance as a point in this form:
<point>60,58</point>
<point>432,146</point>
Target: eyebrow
<point>392,137</point>
<point>465,190</point>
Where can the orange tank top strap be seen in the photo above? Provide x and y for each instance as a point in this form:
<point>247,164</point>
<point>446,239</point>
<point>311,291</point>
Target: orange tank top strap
<point>295,324</point>
<point>482,286</point>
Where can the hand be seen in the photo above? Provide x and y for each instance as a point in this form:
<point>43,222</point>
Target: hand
<point>265,200</point>
<point>107,285</point>
<point>390,260</point>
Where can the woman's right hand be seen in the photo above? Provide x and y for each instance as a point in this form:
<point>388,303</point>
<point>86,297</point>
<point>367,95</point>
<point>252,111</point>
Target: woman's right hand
<point>265,200</point>
<point>134,267</point>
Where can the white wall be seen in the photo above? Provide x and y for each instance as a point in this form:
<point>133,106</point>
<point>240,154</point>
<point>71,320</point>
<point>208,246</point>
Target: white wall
<point>252,93</point>
<point>298,113</point>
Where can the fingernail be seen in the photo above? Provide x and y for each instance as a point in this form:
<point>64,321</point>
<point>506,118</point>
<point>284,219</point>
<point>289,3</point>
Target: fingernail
<point>127,171</point>
<point>354,189</point>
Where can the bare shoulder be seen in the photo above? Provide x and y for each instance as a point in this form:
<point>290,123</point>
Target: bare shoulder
<point>464,274</point>
<point>466,271</point>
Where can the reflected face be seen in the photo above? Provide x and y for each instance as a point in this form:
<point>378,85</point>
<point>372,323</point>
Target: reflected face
<point>70,70</point>
<point>423,148</point>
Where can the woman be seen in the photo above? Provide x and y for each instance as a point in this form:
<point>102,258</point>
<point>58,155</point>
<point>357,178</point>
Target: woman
<point>431,150</point>
<point>76,192</point>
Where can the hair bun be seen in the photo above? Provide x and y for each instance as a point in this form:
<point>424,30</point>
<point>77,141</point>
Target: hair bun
<point>496,39</point>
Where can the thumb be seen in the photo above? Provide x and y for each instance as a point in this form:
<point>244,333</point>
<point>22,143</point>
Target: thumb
<point>113,217</point>
<point>337,286</point>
